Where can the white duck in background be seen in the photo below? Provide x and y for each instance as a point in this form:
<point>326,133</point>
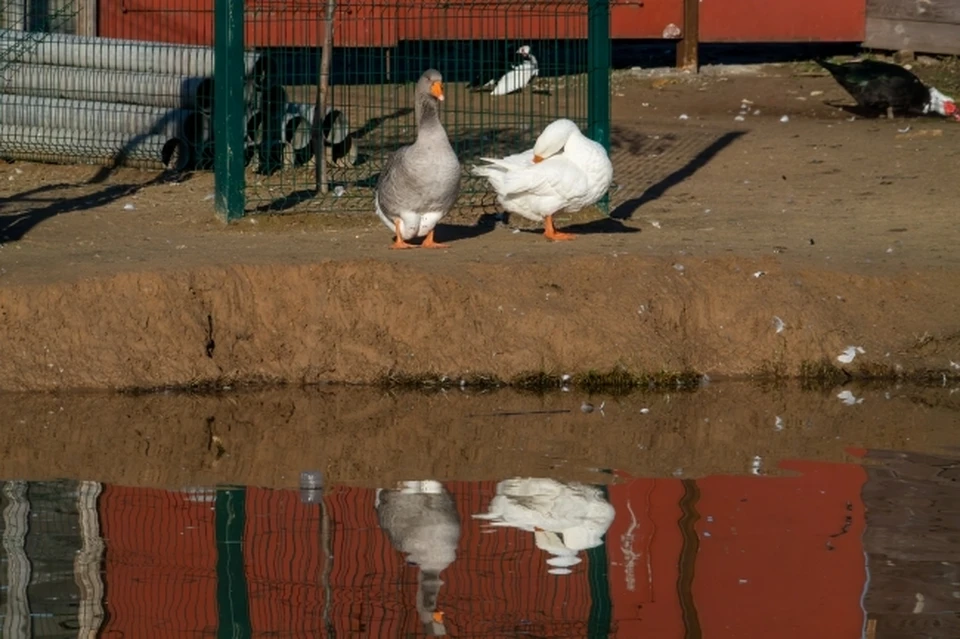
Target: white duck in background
<point>519,76</point>
<point>564,171</point>
<point>421,520</point>
<point>420,183</point>
<point>565,518</point>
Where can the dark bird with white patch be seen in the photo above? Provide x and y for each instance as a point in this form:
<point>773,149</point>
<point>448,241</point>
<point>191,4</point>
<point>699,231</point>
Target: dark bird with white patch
<point>884,87</point>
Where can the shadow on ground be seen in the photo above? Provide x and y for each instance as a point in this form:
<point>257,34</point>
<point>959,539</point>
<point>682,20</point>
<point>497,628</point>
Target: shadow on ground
<point>37,205</point>
<point>666,159</point>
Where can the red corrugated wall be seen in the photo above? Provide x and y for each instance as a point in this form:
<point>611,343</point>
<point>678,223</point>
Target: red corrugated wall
<point>159,564</point>
<point>361,23</point>
<point>794,542</point>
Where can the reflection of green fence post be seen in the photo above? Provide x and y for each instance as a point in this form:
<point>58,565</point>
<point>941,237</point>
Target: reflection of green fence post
<point>233,609</point>
<point>229,128</point>
<point>601,606</point>
<point>598,78</point>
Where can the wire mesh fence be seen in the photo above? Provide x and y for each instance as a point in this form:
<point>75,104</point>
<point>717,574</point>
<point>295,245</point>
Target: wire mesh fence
<point>112,82</point>
<point>508,68</point>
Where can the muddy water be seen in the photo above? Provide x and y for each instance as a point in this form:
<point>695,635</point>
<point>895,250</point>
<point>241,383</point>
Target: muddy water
<point>734,511</point>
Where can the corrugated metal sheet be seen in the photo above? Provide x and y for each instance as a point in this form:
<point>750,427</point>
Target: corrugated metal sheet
<point>160,564</point>
<point>283,564</point>
<point>366,23</point>
<point>789,546</point>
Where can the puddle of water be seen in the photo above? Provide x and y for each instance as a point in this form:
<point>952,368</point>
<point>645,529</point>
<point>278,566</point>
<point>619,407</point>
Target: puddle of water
<point>724,513</point>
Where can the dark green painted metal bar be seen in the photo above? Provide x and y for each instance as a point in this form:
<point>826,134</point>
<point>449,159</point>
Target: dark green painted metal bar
<point>598,78</point>
<point>233,607</point>
<point>601,606</point>
<point>229,127</point>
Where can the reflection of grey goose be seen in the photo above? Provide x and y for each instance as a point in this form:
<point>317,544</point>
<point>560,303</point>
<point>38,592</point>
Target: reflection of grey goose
<point>421,521</point>
<point>420,182</point>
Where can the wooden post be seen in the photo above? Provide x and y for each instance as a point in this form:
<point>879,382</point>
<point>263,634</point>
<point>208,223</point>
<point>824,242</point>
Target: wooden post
<point>688,57</point>
<point>323,84</point>
<point>87,20</point>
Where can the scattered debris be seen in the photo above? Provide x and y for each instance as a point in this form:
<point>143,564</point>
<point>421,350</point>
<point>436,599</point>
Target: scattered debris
<point>678,267</point>
<point>644,411</point>
<point>778,324</point>
<point>849,398</point>
<point>759,274</point>
<point>655,224</point>
<point>128,207</point>
<point>684,116</point>
<point>784,118</point>
<point>849,354</point>
<point>738,118</point>
<point>778,423</point>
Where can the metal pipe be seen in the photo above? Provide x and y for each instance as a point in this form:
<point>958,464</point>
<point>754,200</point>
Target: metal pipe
<point>187,92</point>
<point>339,148</point>
<point>128,55</point>
<point>298,136</point>
<point>134,119</point>
<point>43,144</point>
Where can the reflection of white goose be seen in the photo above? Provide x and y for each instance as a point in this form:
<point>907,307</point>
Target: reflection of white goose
<point>564,517</point>
<point>421,521</point>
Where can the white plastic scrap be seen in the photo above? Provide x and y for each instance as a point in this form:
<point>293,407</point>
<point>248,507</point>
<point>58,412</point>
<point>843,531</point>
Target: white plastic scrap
<point>778,424</point>
<point>778,324</point>
<point>759,274</point>
<point>684,116</point>
<point>128,207</point>
<point>849,354</point>
<point>785,118</point>
<point>849,398</point>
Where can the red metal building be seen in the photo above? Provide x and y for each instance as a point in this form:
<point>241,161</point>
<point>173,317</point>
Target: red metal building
<point>366,23</point>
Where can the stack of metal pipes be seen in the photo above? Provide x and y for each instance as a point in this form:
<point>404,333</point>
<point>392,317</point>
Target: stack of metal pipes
<point>79,99</point>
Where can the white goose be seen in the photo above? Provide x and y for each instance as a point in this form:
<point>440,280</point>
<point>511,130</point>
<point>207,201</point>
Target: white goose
<point>565,518</point>
<point>519,76</point>
<point>564,171</point>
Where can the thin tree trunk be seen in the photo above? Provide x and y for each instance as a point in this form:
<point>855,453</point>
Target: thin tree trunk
<point>323,85</point>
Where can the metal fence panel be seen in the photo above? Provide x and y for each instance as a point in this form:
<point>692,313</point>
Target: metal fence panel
<point>380,48</point>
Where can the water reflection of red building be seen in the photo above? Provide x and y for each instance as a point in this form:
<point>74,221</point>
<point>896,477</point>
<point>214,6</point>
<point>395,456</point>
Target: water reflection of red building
<point>771,556</point>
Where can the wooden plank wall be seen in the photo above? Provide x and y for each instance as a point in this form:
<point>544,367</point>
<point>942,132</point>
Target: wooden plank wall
<point>922,26</point>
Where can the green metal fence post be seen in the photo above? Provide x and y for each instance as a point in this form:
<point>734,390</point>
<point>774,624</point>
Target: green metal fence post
<point>228,108</point>
<point>598,77</point>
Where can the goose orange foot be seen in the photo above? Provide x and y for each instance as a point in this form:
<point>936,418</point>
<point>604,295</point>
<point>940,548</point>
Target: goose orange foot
<point>399,243</point>
<point>428,242</point>
<point>551,233</point>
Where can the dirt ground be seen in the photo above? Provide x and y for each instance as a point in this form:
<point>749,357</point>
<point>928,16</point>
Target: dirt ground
<point>839,231</point>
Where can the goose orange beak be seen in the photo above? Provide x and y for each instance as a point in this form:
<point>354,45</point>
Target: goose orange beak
<point>438,617</point>
<point>537,159</point>
<point>436,89</point>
